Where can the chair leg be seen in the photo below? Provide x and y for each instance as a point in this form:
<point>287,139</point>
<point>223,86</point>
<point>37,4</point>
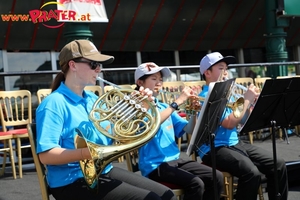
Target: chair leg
<point>12,160</point>
<point>250,137</point>
<point>179,143</point>
<point>121,159</point>
<point>4,159</point>
<point>19,157</point>
<point>280,133</point>
<point>260,193</point>
<point>258,134</point>
<point>297,130</point>
<point>228,186</point>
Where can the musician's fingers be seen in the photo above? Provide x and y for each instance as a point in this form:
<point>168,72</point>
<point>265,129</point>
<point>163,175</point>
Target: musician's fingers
<point>146,90</point>
<point>149,93</point>
<point>141,89</point>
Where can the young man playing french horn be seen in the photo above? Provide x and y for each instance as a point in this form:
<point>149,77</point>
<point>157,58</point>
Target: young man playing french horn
<point>244,161</point>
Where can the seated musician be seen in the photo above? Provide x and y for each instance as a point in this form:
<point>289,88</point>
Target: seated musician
<point>57,119</point>
<point>159,159</point>
<point>242,160</point>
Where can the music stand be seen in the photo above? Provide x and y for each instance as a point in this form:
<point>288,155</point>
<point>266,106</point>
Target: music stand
<point>209,119</point>
<point>277,105</point>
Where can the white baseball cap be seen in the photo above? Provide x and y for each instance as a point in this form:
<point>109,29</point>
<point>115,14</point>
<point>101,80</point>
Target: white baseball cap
<point>150,68</point>
<point>214,58</point>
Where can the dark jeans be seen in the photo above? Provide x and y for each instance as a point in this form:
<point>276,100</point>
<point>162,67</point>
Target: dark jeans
<point>195,178</point>
<point>247,162</point>
<point>117,184</point>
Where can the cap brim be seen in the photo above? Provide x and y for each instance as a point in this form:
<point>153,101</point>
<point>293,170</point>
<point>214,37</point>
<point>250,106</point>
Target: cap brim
<point>166,73</point>
<point>102,58</point>
<point>228,60</point>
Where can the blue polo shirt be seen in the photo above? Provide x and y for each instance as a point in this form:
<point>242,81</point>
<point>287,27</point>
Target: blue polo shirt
<point>224,137</point>
<point>57,117</point>
<point>163,147</point>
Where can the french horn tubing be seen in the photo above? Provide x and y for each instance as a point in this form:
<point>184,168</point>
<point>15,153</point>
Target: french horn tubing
<point>235,101</point>
<point>237,94</point>
<point>132,126</point>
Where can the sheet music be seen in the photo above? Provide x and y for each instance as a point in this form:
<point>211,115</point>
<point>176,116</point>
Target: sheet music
<point>199,119</point>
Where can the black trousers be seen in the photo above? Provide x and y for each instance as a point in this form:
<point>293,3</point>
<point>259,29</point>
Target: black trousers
<point>117,184</point>
<point>247,162</point>
<point>195,178</point>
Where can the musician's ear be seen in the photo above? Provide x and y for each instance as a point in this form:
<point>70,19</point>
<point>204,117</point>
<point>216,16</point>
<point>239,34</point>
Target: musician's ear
<point>206,72</point>
<point>71,64</point>
<point>139,82</point>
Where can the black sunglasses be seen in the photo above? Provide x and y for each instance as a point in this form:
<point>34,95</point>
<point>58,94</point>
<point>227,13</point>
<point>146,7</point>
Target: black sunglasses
<point>93,64</point>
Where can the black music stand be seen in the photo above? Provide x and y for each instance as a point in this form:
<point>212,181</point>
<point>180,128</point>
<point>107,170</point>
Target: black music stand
<point>277,105</point>
<point>209,120</point>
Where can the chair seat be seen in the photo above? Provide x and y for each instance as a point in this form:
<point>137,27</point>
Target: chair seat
<point>18,131</point>
<point>182,114</point>
<point>171,185</point>
<point>5,133</point>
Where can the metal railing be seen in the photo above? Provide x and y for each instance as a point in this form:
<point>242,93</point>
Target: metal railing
<point>17,73</point>
<point>32,84</point>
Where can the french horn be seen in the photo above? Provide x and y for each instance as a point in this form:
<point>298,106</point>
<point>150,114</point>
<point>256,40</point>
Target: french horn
<point>132,126</point>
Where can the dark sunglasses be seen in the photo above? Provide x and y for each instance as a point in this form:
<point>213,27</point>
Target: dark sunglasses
<point>93,64</point>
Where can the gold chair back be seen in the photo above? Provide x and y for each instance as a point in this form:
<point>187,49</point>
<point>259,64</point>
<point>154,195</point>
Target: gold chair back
<point>40,168</point>
<point>246,81</point>
<point>94,88</point>
<point>110,87</point>
<point>170,91</point>
<point>42,93</point>
<point>259,82</point>
<point>16,112</point>
<point>15,108</point>
<point>195,85</point>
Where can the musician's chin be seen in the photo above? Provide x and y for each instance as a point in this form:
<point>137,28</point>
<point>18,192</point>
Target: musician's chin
<point>155,92</point>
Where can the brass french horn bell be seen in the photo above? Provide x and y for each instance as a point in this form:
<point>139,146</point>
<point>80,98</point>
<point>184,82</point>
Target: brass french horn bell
<point>132,127</point>
<point>237,107</point>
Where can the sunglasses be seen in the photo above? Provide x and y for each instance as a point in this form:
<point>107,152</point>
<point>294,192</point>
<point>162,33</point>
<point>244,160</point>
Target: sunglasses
<point>93,64</point>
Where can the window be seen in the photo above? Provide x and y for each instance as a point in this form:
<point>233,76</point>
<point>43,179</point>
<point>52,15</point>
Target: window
<point>29,61</point>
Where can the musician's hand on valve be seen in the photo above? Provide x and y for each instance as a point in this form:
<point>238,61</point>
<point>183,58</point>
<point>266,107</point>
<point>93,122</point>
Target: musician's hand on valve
<point>146,92</point>
<point>196,105</point>
<point>186,93</point>
<point>251,94</point>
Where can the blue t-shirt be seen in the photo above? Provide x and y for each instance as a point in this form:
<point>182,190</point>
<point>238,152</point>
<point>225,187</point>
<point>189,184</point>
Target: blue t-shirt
<point>224,137</point>
<point>57,117</point>
<point>163,147</point>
